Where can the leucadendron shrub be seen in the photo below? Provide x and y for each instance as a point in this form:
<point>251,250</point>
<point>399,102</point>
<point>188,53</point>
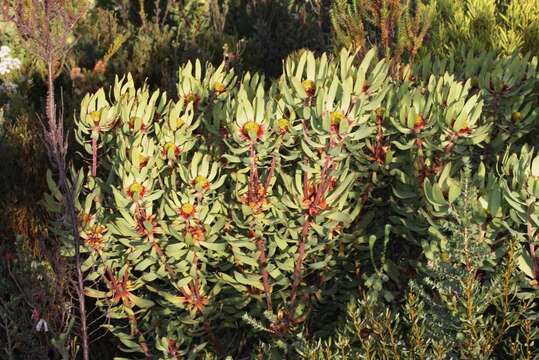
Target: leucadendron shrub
<point>239,218</point>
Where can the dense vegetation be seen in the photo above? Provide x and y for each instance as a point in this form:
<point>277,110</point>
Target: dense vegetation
<point>274,179</point>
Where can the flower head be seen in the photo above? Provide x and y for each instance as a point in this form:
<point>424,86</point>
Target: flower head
<point>191,98</point>
<point>335,119</point>
<point>419,123</point>
<point>310,87</point>
<point>171,150</point>
<point>283,125</point>
<point>253,131</point>
<point>132,123</point>
<point>136,190</point>
<point>197,232</point>
<point>94,237</point>
<point>219,88</point>
<point>95,117</point>
<point>187,210</point>
<point>201,183</point>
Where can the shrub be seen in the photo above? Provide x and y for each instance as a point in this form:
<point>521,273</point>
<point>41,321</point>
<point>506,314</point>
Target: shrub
<point>485,25</point>
<point>236,206</point>
<point>398,27</point>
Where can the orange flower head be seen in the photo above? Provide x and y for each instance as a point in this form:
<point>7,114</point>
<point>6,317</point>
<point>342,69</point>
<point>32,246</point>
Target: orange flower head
<point>94,237</point>
<point>419,123</point>
<point>197,233</point>
<point>100,67</point>
<point>195,301</point>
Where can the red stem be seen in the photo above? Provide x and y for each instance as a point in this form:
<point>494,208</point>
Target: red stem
<point>253,177</point>
<point>270,174</point>
<point>142,342</point>
<point>298,268</point>
<point>262,261</point>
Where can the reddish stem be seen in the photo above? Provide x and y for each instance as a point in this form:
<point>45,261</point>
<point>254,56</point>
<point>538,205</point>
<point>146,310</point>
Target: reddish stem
<point>253,177</point>
<point>254,197</point>
<point>298,268</point>
<point>270,174</point>
<point>136,331</point>
<point>262,261</point>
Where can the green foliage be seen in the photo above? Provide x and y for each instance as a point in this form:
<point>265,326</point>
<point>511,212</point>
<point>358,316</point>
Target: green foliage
<point>399,27</point>
<point>506,27</point>
<point>237,215</point>
<point>464,301</point>
<point>332,212</point>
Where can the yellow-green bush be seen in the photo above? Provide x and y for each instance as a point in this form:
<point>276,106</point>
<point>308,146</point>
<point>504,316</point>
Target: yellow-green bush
<point>238,216</point>
<point>505,27</point>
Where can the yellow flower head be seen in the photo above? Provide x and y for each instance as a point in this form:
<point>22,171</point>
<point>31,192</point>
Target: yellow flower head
<point>187,210</point>
<point>336,117</point>
<point>95,116</point>
<point>283,125</point>
<point>309,87</point>
<point>136,189</point>
<point>252,130</point>
<point>201,182</point>
<point>219,88</point>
